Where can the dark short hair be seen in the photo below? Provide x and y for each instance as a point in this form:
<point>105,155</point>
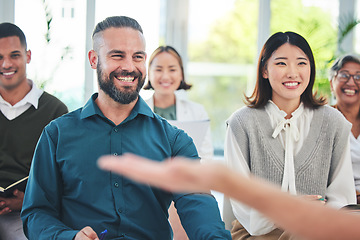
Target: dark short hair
<point>340,62</point>
<point>9,30</point>
<point>117,22</point>
<point>263,91</point>
<point>172,51</point>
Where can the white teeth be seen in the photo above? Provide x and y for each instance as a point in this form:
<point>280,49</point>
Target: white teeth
<point>291,84</point>
<point>126,79</point>
<point>8,73</point>
<point>165,84</point>
<point>349,91</point>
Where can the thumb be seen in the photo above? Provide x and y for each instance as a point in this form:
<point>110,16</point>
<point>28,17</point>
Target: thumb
<point>18,194</point>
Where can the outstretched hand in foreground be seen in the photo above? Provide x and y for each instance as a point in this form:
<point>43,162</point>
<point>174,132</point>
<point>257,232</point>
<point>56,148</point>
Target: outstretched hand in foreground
<point>178,175</point>
<point>307,219</point>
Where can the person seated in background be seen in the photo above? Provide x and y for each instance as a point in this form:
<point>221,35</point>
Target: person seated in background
<point>24,111</point>
<point>68,197</point>
<point>345,85</point>
<point>166,76</point>
<point>288,136</point>
<point>302,218</point>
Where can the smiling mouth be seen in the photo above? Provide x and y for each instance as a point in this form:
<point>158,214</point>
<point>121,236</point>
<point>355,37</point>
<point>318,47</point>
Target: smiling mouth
<point>7,73</point>
<point>291,84</point>
<point>165,84</point>
<point>127,79</point>
<point>350,92</point>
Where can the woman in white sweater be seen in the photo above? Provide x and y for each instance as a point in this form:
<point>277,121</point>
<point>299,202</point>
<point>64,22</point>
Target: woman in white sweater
<point>287,136</point>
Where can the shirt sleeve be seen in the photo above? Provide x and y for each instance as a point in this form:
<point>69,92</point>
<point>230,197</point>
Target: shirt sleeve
<point>253,221</point>
<point>199,212</point>
<point>41,205</point>
<point>341,190</point>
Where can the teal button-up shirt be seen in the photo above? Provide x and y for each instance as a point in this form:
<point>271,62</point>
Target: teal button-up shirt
<point>66,190</point>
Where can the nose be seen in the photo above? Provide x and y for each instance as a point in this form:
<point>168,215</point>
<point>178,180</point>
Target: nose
<point>127,64</point>
<point>292,72</point>
<point>6,63</point>
<point>351,81</point>
<point>165,74</point>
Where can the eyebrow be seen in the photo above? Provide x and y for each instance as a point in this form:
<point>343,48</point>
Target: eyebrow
<point>16,51</point>
<point>122,52</point>
<point>347,71</point>
<point>299,58</point>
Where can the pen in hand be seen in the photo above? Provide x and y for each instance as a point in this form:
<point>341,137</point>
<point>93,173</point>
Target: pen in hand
<point>103,234</point>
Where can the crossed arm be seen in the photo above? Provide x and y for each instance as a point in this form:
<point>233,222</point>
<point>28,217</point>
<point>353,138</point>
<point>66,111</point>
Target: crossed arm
<point>303,218</point>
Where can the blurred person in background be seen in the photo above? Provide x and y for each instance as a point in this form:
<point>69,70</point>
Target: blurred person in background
<point>166,77</point>
<point>345,85</point>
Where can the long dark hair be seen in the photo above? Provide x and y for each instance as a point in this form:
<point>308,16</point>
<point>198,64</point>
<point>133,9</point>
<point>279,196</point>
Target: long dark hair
<point>263,91</point>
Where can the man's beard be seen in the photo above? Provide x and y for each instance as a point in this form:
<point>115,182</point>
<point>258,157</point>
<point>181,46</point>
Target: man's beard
<point>126,96</point>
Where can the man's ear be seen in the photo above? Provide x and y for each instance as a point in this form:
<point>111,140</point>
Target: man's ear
<point>28,56</point>
<point>93,59</point>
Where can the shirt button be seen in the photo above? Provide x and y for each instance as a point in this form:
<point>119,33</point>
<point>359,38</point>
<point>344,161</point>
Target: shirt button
<point>119,210</point>
<point>116,185</point>
<point>115,154</point>
<point>116,130</point>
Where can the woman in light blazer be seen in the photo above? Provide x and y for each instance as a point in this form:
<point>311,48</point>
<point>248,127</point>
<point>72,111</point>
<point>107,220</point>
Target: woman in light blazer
<point>166,78</point>
<point>169,100</point>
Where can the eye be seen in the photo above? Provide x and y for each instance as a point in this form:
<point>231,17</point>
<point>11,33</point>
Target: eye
<point>281,63</point>
<point>16,55</point>
<point>343,75</point>
<point>303,63</point>
<point>356,77</point>
<point>139,57</point>
<point>117,56</point>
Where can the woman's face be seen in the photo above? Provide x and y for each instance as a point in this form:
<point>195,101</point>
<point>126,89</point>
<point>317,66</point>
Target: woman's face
<point>346,91</point>
<point>288,70</point>
<point>165,73</point>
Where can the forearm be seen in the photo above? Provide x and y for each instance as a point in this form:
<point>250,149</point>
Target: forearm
<point>200,217</point>
<point>295,215</point>
<point>40,226</point>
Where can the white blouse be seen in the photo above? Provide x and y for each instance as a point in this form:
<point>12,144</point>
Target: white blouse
<point>355,158</point>
<point>292,134</point>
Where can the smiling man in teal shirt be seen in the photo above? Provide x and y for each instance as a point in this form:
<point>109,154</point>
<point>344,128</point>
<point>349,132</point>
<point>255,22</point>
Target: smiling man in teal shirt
<point>69,197</point>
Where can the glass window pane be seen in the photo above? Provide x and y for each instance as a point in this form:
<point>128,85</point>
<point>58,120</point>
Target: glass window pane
<point>222,52</point>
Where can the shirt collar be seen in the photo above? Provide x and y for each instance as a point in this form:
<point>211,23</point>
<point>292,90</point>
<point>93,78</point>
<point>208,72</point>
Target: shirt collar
<point>280,114</point>
<point>91,108</point>
<point>31,97</point>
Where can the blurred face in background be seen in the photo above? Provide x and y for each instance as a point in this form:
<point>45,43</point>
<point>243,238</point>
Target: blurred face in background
<point>345,85</point>
<point>165,74</point>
